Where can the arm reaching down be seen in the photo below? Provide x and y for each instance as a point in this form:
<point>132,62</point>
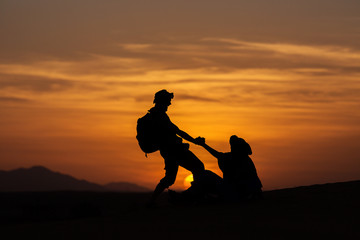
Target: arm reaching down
<point>212,151</point>
<point>184,135</point>
<point>199,141</point>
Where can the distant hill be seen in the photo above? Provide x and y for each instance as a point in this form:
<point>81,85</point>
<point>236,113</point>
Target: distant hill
<point>39,178</point>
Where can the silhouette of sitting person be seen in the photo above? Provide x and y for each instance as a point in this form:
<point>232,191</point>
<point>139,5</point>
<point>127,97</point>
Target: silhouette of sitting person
<point>240,179</point>
<point>169,139</point>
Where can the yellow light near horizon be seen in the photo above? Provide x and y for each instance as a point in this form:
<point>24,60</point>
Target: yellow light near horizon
<point>188,180</point>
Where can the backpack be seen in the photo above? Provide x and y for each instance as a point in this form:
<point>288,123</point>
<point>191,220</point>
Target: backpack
<point>145,134</point>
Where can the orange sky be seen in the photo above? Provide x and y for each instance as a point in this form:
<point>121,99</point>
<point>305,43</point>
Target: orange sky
<point>75,76</point>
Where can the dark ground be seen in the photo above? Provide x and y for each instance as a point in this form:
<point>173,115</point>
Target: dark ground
<point>329,211</point>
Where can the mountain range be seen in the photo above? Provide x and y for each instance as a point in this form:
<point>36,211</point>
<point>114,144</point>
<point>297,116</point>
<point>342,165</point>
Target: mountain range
<point>39,178</point>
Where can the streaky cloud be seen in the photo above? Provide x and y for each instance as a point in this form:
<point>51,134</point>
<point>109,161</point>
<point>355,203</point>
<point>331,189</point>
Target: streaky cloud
<point>14,100</point>
<point>33,83</point>
<point>337,53</point>
<point>182,96</point>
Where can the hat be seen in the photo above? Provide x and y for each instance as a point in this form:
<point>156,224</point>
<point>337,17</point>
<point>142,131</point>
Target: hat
<point>240,144</point>
<point>163,96</point>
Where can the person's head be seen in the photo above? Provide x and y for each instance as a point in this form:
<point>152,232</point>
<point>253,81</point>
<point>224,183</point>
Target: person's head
<point>163,98</point>
<point>239,146</point>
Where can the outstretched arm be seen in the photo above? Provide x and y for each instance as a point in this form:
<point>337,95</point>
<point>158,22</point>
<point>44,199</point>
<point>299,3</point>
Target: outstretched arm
<point>199,141</point>
<point>211,150</point>
<point>187,137</point>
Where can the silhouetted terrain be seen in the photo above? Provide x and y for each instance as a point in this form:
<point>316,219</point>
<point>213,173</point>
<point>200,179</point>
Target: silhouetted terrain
<point>125,187</point>
<point>39,178</point>
<point>329,211</point>
<point>42,179</point>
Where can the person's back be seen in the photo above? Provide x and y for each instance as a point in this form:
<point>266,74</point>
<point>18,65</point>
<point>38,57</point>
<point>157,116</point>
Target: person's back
<point>165,131</point>
<point>239,174</point>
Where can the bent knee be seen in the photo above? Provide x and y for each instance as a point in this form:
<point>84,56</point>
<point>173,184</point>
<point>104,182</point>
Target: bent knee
<point>167,181</point>
<point>199,168</point>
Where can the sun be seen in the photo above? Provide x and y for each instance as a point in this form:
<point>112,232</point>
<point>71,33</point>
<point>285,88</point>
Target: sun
<point>188,180</point>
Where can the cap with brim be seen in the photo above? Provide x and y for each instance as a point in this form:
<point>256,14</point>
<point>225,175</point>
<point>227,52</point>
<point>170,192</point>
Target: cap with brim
<point>162,96</point>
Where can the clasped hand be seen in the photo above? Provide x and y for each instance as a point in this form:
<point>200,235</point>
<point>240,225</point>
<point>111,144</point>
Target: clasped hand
<point>199,141</point>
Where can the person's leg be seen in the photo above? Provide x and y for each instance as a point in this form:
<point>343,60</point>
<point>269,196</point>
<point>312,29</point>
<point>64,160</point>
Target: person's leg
<point>192,163</point>
<point>171,169</point>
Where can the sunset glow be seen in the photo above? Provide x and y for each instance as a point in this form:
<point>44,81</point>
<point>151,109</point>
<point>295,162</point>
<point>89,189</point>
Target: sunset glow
<point>75,76</point>
<point>188,180</point>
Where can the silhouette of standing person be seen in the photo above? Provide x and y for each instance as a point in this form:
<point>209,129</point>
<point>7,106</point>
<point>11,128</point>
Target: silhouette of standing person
<point>239,173</point>
<point>169,138</point>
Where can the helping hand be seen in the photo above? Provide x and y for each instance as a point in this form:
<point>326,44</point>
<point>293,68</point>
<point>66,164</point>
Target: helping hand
<point>199,141</point>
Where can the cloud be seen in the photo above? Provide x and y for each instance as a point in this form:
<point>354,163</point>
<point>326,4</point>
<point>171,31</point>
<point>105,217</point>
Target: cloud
<point>34,83</point>
<point>14,100</point>
<point>207,59</point>
<point>342,55</point>
<point>229,55</point>
<point>217,69</point>
<point>183,96</point>
<point>135,46</point>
